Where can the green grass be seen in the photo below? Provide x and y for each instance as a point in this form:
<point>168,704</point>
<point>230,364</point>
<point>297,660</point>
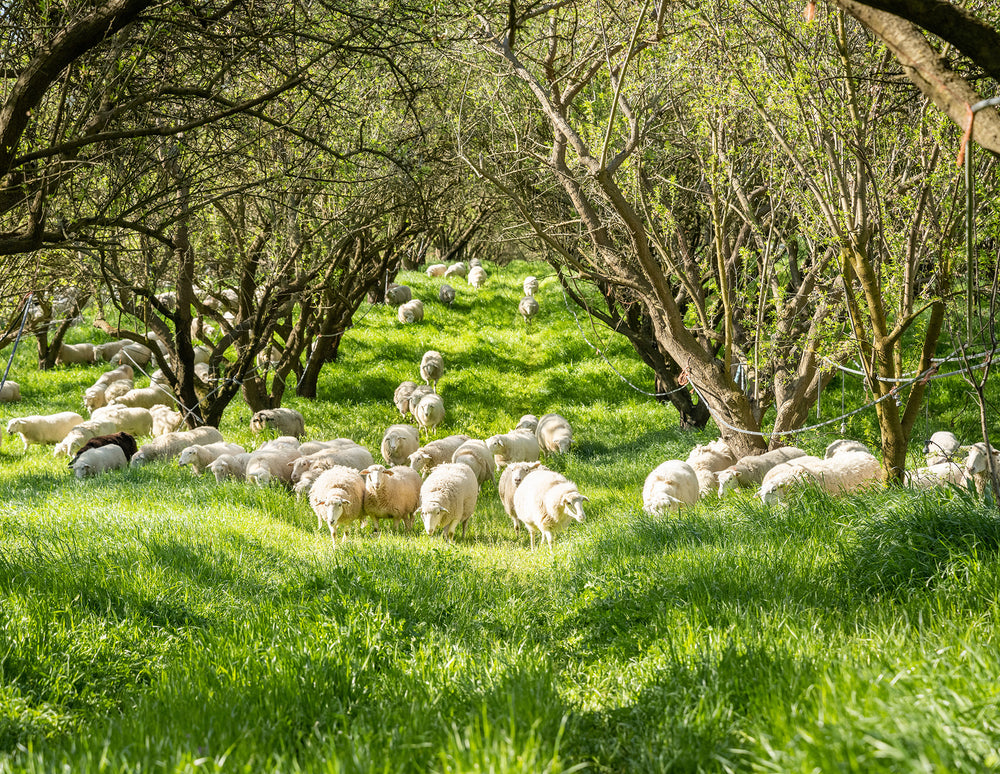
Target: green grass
<point>151,621</point>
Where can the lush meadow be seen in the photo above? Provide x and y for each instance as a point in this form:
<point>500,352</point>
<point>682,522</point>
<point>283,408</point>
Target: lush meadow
<point>155,621</point>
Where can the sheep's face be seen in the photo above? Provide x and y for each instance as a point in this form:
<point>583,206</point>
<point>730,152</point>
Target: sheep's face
<point>419,461</point>
<point>520,470</point>
<point>83,469</point>
<point>334,509</point>
<point>14,426</point>
<point>220,470</point>
<point>728,481</point>
<point>572,505</point>
<point>496,445</point>
<point>374,477</point>
<point>260,476</point>
<point>299,469</point>
<point>433,514</point>
<point>188,456</point>
<point>562,443</point>
<point>138,460</point>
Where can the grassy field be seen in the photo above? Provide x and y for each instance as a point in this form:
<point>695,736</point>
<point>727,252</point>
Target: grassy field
<point>152,621</point>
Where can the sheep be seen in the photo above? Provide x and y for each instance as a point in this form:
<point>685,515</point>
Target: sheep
<point>977,465</point>
<point>94,398</point>
<point>515,446</point>
<point>82,433</point>
<point>10,392</point>
<point>844,472</point>
<point>475,262</point>
<point>284,421</point>
<point>942,446</point>
<point>229,466</point>
<point>392,493</point>
<point>117,389</point>
<point>939,474</point>
<point>528,308</point>
<point>199,456</point>
<point>43,429</point>
<point>100,460</point>
<point>842,445</point>
<point>398,443</point>
<point>457,270</point>
<point>71,354</point>
<point>432,368</point>
<point>124,441</point>
<point>416,395</point>
<point>123,372</point>
<point>749,472</point>
<point>436,453</point>
<point>670,486</point>
<point>448,498</point>
<point>275,464</point>
<point>530,285</point>
<point>304,484</point>
<point>269,357</point>
<point>168,299</point>
<point>133,354</point>
<point>168,446</point>
<point>446,294</point>
<point>357,457</point>
<point>528,422</point>
<point>477,277</point>
<point>510,479</point>
<point>411,311</point>
<point>707,460</point>
<point>136,421</point>
<point>429,412</point>
<point>547,501</point>
<point>554,434</point>
<point>164,420</point>
<point>281,442</point>
<point>144,397</point>
<point>436,270</point>
<point>401,396</point>
<point>477,456</point>
<point>107,352</point>
<point>395,295</point>
<point>337,497</point>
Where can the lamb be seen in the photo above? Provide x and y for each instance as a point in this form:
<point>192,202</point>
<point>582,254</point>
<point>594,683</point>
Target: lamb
<point>10,392</point>
<point>432,368</point>
<point>670,486</point>
<point>528,308</point>
<point>457,270</point>
<point>446,294</point>
<point>844,445</point>
<point>357,457</point>
<point>515,446</point>
<point>546,502</point>
<point>448,498</point>
<point>267,465</point>
<point>411,311</point>
<point>510,479</point>
<point>942,446</point>
<point>707,460</point>
<point>70,354</point>
<point>436,270</point>
<point>398,443</point>
<point>401,396</point>
<point>230,466</point>
<point>136,421</point>
<point>397,294</point>
<point>43,429</point>
<point>82,433</point>
<point>844,472</point>
<point>337,498</point>
<point>554,434</point>
<point>528,422</point>
<point>477,277</point>
<point>429,412</point>
<point>749,472</point>
<point>168,446</point>
<point>164,420</point>
<point>107,352</point>
<point>392,493</point>
<point>133,354</point>
<point>93,462</point>
<point>436,453</point>
<point>144,397</point>
<point>284,421</point>
<point>530,285</point>
<point>199,456</point>
<point>477,456</point>
<point>124,441</point>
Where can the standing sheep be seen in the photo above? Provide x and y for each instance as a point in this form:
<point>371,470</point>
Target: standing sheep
<point>273,464</point>
<point>429,412</point>
<point>432,368</point>
<point>436,270</point>
<point>554,434</point>
<point>528,308</point>
<point>337,497</point>
<point>446,294</point>
<point>43,428</point>
<point>477,456</point>
<point>356,457</point>
<point>93,462</point>
<point>136,421</point>
<point>71,354</point>
<point>392,493</point>
<point>411,311</point>
<point>230,466</point>
<point>448,498</point>
<point>515,446</point>
<point>79,435</point>
<point>284,421</point>
<point>395,295</point>
<point>436,453</point>
<point>671,485</point>
<point>530,285</point>
<point>401,396</point>
<point>546,502</point>
<point>528,422</point>
<point>398,443</point>
<point>510,479</point>
<point>477,277</point>
<point>457,270</point>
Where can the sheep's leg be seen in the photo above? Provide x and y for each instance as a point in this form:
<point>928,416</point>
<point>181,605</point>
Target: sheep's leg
<point>464,523</point>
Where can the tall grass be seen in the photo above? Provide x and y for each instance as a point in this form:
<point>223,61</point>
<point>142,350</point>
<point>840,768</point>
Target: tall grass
<point>155,621</point>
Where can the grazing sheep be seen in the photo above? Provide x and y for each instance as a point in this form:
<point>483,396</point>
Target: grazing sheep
<point>281,442</point>
<point>274,464</point>
<point>82,433</point>
<point>477,456</point>
<point>844,472</point>
<point>71,354</point>
<point>749,472</point>
<point>392,493</point>
<point>530,285</point>
<point>939,474</point>
<point>284,421</point>
<point>448,498</point>
<point>398,443</point>
<point>100,460</point>
<point>411,311</point>
<point>94,398</point>
<point>416,395</point>
<point>842,445</point>
<point>124,441</point>
<point>528,422</point>
<point>10,392</point>
<point>311,447</point>
<point>43,429</point>
<point>107,352</point>
<point>436,453</point>
<point>446,294</point>
<point>164,420</point>
<point>429,412</point>
<point>477,277</point>
<point>670,486</point>
<point>401,396</point>
<point>977,465</point>
<point>337,497</point>
<point>528,308</point>
<point>942,446</point>
<point>356,457</point>
<point>136,421</point>
<point>432,368</point>
<point>144,397</point>
<point>457,270</point>
<point>199,456</point>
<point>123,372</point>
<point>554,434</point>
<point>546,502</point>
<point>510,479</point>
<point>168,446</point>
<point>436,270</point>
<point>117,389</point>
<point>397,294</point>
<point>230,466</point>
<point>515,446</point>
<point>133,354</point>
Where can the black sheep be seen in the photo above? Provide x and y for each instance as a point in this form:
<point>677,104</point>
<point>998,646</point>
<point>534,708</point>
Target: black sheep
<point>126,441</point>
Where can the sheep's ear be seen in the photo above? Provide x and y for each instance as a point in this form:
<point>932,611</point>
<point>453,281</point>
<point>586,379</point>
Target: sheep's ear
<point>387,472</point>
<point>584,499</point>
<point>364,472</point>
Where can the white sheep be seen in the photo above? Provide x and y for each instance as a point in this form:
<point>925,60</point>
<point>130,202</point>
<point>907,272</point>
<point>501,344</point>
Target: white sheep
<point>942,446</point>
<point>100,460</point>
<point>337,497</point>
<point>515,446</point>
<point>10,392</point>
<point>274,464</point>
<point>436,269</point>
<point>554,434</point>
<point>118,388</point>
<point>429,412</point>
<point>477,456</point>
<point>168,446</point>
<point>749,472</point>
<point>107,352</point>
<point>707,460</point>
<point>938,474</point>
<point>356,457</point>
<point>397,294</point>
<point>230,466</point>
<point>411,311</point>
<point>528,308</point>
<point>842,445</point>
<point>284,421</point>
<point>144,397</point>
<point>82,433</point>
<point>436,452</point>
<point>43,428</point>
<point>477,277</point>
<point>844,472</point>
<point>134,421</point>
<point>528,422</point>
<point>416,395</point>
<point>94,398</point>
<point>448,498</point>
<point>977,464</point>
<point>398,443</point>
<point>670,486</point>
<point>164,420</point>
<point>116,374</point>
<point>546,502</point>
<point>133,354</point>
<point>446,294</point>
<point>432,368</point>
<point>336,444</point>
<point>281,442</point>
<point>200,456</point>
<point>530,285</point>
<point>391,493</point>
<point>70,354</point>
<point>457,270</point>
<point>510,479</point>
<point>401,396</point>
